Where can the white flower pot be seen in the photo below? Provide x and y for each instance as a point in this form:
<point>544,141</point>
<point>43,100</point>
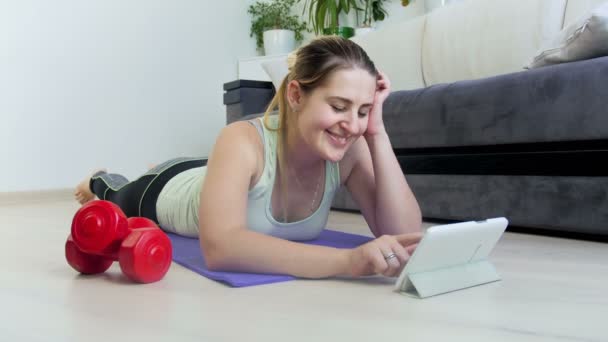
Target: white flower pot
<point>359,31</point>
<point>278,42</point>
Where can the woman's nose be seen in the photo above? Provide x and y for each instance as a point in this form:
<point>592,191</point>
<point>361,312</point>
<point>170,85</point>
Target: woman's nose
<point>351,124</point>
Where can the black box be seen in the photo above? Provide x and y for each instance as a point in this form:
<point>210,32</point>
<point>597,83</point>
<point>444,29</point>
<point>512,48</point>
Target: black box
<point>244,97</point>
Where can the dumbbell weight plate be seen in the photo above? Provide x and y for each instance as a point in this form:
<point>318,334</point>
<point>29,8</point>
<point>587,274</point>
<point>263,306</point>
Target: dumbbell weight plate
<point>85,263</point>
<point>97,224</point>
<point>145,255</point>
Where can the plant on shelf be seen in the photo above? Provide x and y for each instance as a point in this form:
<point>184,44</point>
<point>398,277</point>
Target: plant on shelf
<point>324,15</point>
<point>274,15</point>
<point>373,10</point>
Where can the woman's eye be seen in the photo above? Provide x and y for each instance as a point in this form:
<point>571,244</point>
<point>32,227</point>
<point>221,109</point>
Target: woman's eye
<point>362,115</point>
<point>338,109</point>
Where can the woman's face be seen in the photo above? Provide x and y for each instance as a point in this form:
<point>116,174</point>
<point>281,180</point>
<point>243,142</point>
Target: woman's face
<point>334,115</point>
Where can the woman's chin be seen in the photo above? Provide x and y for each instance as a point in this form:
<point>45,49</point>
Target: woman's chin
<point>333,154</point>
<point>333,150</point>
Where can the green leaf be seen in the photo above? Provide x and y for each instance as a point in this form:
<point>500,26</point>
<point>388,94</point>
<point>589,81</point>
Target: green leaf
<point>344,6</point>
<point>321,17</point>
<point>333,13</point>
<point>312,18</point>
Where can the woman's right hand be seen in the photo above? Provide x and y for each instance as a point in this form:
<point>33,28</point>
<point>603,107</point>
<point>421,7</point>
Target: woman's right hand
<point>371,258</point>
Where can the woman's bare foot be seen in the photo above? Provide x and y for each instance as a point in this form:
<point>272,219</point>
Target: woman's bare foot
<point>83,193</point>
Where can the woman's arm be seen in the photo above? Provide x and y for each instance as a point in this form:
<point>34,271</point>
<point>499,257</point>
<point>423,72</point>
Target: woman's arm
<point>377,182</point>
<point>245,250</point>
<point>397,210</point>
<point>229,246</point>
<point>224,237</point>
<point>378,186</point>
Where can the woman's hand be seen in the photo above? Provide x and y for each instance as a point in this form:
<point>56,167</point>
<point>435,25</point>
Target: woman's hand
<point>373,257</point>
<point>375,125</point>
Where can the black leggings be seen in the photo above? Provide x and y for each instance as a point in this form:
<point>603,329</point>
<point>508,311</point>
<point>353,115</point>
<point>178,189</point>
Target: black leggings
<point>138,198</point>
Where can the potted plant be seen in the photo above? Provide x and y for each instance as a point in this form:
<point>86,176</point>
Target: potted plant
<point>324,16</point>
<point>274,27</point>
<point>373,10</point>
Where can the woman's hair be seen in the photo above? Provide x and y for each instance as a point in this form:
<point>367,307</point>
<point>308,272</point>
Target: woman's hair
<point>311,65</point>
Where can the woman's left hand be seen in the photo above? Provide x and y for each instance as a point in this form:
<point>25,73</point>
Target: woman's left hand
<point>375,125</point>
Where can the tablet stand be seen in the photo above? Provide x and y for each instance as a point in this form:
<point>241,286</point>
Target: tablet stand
<point>430,283</point>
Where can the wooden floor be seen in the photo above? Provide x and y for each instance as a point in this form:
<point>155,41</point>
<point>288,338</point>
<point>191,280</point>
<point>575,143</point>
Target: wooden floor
<point>553,289</point>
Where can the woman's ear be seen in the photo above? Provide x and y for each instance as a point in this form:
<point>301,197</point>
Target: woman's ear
<point>294,95</point>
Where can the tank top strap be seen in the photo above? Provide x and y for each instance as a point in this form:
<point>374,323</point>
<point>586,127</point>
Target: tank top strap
<point>257,123</point>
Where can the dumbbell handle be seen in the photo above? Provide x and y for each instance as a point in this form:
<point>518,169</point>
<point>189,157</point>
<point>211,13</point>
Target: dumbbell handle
<point>113,251</point>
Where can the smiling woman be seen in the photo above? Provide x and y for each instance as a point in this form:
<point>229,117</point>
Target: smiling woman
<point>270,181</point>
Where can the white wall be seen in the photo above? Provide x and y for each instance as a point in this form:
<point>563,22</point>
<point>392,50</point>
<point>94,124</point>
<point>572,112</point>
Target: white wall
<point>116,83</point>
<point>112,83</point>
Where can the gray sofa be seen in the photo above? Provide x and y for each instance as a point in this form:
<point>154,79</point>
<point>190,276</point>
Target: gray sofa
<point>525,145</point>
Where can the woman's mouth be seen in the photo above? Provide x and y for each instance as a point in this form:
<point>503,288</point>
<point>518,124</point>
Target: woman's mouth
<point>337,140</point>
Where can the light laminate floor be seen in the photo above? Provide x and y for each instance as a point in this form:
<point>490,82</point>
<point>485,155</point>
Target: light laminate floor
<point>553,289</point>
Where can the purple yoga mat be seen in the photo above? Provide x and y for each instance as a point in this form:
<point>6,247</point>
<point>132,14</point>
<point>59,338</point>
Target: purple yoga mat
<point>187,252</point>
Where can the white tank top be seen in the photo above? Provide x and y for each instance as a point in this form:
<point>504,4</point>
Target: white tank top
<point>178,202</point>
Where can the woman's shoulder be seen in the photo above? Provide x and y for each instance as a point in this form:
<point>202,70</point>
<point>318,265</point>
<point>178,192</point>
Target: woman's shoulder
<point>240,141</point>
<point>232,140</point>
<point>240,132</point>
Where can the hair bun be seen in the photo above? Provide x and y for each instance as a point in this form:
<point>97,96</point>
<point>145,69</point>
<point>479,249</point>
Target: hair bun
<point>291,60</point>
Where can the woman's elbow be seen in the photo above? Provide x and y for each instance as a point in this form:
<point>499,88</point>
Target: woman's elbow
<point>213,264</point>
<point>212,252</point>
<point>214,260</point>
<point>417,225</point>
<point>416,222</point>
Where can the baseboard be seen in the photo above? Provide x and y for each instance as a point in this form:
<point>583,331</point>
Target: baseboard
<point>25,197</point>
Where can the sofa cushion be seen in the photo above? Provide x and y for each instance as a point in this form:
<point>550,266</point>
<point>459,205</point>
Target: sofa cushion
<point>576,9</point>
<point>395,49</point>
<point>479,38</point>
<point>556,103</point>
<point>585,38</point>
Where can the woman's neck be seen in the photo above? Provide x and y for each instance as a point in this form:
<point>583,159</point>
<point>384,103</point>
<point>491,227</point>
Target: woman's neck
<point>300,158</point>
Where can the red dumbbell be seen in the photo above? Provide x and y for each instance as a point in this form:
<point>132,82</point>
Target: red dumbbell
<point>101,234</point>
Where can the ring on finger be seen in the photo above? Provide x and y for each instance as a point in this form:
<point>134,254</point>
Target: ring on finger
<point>390,256</point>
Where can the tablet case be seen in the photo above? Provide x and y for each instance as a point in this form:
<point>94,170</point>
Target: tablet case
<point>452,257</point>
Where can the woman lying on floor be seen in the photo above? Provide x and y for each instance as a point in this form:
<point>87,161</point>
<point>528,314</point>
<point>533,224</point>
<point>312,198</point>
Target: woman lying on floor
<point>270,181</point>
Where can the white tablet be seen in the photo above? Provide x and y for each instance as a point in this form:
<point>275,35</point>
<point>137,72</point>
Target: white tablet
<point>451,257</point>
